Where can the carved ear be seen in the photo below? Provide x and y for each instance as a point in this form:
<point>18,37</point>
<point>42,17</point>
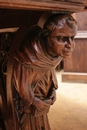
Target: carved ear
<point>50,43</point>
<point>44,33</point>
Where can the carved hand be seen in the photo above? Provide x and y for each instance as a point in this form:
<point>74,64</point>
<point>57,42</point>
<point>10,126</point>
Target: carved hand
<point>53,96</point>
<point>39,104</point>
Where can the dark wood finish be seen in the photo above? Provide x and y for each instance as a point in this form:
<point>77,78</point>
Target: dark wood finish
<point>18,101</point>
<point>29,80</point>
<point>16,18</point>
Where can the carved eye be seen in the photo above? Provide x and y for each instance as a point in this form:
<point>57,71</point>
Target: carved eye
<point>59,38</point>
<point>65,39</point>
<point>62,39</point>
<point>72,38</point>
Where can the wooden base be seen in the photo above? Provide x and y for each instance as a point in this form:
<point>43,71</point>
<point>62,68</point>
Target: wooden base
<point>74,77</point>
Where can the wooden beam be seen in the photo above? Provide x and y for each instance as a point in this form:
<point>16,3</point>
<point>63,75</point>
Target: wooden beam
<point>73,6</point>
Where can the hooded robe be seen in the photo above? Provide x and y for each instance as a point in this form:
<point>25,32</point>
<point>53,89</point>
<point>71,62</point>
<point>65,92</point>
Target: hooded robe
<point>33,76</point>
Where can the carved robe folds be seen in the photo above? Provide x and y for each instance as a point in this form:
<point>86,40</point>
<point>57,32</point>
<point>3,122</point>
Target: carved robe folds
<point>33,76</point>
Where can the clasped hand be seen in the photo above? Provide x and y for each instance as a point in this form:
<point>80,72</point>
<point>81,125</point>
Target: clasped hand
<point>44,104</point>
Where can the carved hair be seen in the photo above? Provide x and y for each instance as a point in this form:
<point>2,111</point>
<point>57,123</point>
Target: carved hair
<point>58,19</point>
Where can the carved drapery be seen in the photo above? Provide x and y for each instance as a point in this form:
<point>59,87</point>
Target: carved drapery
<point>5,43</point>
<point>29,73</point>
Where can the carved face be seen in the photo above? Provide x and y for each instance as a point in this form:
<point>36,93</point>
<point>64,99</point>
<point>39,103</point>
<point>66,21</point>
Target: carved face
<point>62,40</point>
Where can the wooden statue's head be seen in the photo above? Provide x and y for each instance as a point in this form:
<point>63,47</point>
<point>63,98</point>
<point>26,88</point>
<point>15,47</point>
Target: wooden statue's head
<point>60,31</point>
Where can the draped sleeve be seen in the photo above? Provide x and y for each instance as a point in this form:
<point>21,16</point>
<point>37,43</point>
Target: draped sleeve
<point>22,78</point>
<point>54,79</point>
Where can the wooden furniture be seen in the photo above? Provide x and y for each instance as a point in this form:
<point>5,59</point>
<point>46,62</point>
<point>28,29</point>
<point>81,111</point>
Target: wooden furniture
<point>14,14</point>
<point>61,5</point>
<point>75,68</point>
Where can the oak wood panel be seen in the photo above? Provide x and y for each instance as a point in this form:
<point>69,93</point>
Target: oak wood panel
<point>78,60</point>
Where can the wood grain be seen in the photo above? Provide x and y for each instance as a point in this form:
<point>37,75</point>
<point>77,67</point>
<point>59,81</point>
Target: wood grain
<point>73,6</point>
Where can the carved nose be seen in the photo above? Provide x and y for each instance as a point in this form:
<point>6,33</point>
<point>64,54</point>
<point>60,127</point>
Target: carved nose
<point>70,43</point>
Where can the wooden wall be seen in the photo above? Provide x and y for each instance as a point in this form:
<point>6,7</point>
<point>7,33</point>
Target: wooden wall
<point>78,60</point>
<point>75,68</point>
<point>82,20</point>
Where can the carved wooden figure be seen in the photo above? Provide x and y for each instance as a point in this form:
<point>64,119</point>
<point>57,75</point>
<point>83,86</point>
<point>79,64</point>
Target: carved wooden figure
<point>33,81</point>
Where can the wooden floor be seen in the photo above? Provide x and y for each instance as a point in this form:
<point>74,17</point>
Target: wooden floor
<point>70,109</point>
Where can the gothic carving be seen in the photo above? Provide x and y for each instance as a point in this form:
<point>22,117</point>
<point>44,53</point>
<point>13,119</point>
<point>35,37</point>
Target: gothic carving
<point>31,80</point>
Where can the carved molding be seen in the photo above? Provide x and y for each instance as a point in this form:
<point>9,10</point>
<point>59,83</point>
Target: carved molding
<point>81,34</point>
<point>62,5</point>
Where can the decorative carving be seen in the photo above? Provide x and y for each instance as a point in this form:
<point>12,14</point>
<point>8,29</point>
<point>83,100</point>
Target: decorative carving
<point>57,5</point>
<point>33,80</point>
<point>5,43</point>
